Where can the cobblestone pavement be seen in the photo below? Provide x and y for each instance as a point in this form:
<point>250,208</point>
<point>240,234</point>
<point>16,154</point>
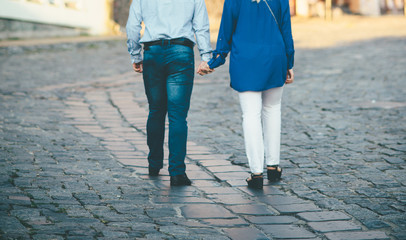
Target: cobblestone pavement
<point>73,152</point>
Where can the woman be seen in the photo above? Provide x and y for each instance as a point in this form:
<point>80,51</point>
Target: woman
<point>258,34</point>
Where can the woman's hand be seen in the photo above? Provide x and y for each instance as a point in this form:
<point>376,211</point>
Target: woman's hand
<point>289,76</point>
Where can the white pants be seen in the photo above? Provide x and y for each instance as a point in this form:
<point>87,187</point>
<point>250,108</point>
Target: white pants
<point>261,113</point>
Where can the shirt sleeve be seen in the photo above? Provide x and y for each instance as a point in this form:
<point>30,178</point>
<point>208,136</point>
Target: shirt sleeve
<point>227,27</point>
<point>133,31</point>
<point>201,27</point>
<point>286,30</point>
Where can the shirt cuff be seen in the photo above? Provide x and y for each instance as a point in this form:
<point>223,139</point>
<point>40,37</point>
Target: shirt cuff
<point>136,59</point>
<point>206,57</point>
<point>291,60</point>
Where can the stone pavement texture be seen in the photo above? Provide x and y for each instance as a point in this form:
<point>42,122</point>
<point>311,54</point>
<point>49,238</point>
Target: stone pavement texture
<point>73,153</point>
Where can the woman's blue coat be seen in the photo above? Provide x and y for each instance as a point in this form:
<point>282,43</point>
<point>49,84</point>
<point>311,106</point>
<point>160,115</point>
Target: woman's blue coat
<point>261,50</point>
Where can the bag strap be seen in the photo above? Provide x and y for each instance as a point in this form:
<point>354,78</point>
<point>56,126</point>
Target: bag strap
<point>273,15</point>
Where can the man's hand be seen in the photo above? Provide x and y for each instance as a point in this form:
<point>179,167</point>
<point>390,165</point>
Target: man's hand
<point>137,67</point>
<point>289,76</point>
<point>204,69</point>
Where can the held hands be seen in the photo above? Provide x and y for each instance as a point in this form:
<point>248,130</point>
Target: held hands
<point>204,69</point>
<point>289,76</point>
<point>138,67</point>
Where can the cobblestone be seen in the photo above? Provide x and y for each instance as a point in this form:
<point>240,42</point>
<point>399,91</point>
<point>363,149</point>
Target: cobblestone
<point>73,153</point>
<point>287,232</point>
<point>334,226</point>
<point>356,235</point>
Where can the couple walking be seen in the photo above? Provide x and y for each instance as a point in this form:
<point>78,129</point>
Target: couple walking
<point>258,35</point>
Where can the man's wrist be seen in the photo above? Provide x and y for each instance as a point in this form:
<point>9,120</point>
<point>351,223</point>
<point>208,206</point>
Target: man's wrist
<point>136,59</point>
<point>206,57</point>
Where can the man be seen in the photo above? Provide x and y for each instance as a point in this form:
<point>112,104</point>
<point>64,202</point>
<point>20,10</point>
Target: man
<point>168,71</point>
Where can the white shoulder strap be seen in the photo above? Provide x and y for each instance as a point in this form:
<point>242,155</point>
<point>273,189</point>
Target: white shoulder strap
<point>270,9</point>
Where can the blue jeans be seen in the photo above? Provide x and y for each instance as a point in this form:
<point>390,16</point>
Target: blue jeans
<point>168,79</point>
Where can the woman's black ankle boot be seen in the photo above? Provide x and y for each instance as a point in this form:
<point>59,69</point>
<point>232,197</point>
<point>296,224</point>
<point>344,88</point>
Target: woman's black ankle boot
<point>255,181</point>
<point>275,173</point>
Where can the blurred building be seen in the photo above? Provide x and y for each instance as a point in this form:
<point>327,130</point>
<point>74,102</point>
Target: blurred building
<point>48,18</point>
<point>309,8</point>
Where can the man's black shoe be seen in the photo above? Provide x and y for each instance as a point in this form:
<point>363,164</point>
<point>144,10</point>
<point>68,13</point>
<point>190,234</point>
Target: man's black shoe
<point>180,180</point>
<point>153,171</point>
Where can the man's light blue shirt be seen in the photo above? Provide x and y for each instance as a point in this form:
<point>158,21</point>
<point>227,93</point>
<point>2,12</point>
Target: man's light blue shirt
<point>168,19</point>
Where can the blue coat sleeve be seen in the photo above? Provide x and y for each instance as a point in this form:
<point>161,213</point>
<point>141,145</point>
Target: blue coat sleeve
<point>286,30</point>
<point>228,23</point>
